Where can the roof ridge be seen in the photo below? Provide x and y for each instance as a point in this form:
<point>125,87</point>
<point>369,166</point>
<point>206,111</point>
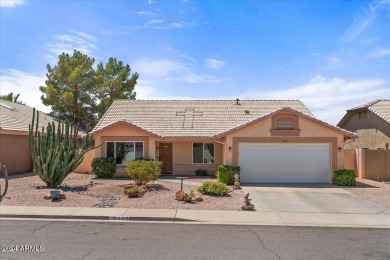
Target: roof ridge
<point>185,100</point>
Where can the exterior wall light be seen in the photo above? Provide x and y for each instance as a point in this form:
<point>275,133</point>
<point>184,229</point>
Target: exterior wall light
<point>340,149</point>
<point>230,148</point>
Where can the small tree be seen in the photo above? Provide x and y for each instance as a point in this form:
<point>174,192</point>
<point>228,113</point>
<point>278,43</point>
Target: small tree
<point>142,171</point>
<point>56,154</point>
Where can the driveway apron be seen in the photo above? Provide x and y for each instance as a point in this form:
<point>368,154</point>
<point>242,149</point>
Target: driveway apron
<point>309,199</point>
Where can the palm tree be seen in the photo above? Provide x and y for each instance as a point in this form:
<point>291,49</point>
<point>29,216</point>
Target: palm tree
<point>11,97</point>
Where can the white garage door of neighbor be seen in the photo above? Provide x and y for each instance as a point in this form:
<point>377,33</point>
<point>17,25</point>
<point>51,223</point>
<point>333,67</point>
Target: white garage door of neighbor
<point>284,163</point>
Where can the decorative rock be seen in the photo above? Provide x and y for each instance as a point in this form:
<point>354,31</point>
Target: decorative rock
<point>247,205</point>
<point>250,207</point>
<point>47,197</point>
<point>198,197</point>
<point>179,195</point>
<point>236,184</point>
<point>62,196</point>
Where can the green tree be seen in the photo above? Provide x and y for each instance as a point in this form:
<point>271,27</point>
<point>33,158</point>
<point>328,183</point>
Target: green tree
<point>71,89</point>
<point>115,82</point>
<point>11,97</point>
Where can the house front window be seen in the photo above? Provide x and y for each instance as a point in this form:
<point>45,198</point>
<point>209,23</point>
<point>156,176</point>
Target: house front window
<point>203,152</point>
<point>124,151</point>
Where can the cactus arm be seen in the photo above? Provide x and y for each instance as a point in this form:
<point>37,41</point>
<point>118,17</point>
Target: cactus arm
<point>5,172</point>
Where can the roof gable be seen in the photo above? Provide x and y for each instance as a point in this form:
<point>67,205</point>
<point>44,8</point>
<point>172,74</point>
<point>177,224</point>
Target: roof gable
<point>346,133</point>
<point>380,107</point>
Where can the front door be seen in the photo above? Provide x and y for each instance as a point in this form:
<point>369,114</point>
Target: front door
<point>165,156</point>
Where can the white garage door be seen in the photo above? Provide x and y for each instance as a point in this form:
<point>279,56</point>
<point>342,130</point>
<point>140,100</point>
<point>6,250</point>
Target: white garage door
<point>284,163</point>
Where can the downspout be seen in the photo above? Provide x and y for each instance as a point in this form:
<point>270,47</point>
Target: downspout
<point>224,148</point>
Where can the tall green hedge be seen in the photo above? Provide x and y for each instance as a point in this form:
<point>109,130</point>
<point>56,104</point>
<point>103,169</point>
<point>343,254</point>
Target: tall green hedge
<point>344,178</point>
<point>225,173</point>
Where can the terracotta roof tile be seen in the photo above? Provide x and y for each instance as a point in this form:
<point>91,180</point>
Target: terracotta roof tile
<point>192,118</point>
<point>17,117</point>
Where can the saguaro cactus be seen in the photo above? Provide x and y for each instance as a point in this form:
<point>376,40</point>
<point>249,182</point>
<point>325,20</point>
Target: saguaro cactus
<point>55,154</point>
<point>5,173</point>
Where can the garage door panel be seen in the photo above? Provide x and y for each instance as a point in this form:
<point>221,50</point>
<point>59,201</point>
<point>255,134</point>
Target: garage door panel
<point>284,163</point>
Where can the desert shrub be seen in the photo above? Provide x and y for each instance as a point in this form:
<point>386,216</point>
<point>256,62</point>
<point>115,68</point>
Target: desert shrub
<point>142,171</point>
<point>225,173</point>
<point>200,172</point>
<point>103,167</point>
<point>135,189</point>
<point>188,196</point>
<point>214,188</point>
<point>344,178</point>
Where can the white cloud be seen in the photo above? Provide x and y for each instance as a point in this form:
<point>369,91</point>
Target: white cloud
<point>154,22</point>
<point>11,3</point>
<point>145,91</point>
<point>67,43</point>
<point>145,13</point>
<point>151,2</point>
<point>365,19</point>
<point>334,60</point>
<point>214,63</point>
<point>380,53</point>
<point>175,25</point>
<point>171,70</point>
<point>329,98</point>
<point>25,83</point>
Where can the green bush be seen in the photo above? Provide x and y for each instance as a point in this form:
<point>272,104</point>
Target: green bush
<point>214,188</point>
<point>225,173</point>
<point>103,167</point>
<point>344,178</point>
<point>200,172</point>
<point>142,171</point>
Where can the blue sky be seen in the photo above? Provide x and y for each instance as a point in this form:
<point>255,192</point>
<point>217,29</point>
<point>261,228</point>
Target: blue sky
<point>332,55</point>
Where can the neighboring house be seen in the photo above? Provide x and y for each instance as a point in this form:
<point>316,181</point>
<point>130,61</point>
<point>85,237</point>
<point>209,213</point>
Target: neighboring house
<point>14,148</point>
<point>371,122</point>
<point>271,140</point>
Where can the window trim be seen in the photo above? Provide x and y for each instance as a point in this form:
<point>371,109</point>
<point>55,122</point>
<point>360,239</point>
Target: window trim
<point>285,132</point>
<point>143,148</point>
<point>192,152</point>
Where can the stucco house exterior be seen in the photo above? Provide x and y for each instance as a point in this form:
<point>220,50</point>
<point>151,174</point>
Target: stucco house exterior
<point>371,122</point>
<point>14,148</point>
<point>271,140</point>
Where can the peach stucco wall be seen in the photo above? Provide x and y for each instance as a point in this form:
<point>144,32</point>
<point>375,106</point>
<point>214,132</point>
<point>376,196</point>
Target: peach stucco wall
<point>85,166</point>
<point>182,157</point>
<point>15,152</point>
<point>312,131</point>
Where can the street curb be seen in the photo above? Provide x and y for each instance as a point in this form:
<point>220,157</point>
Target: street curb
<point>113,218</point>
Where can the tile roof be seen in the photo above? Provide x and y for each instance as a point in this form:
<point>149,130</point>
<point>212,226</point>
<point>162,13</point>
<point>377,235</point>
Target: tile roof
<point>380,107</point>
<point>192,118</point>
<point>17,117</point>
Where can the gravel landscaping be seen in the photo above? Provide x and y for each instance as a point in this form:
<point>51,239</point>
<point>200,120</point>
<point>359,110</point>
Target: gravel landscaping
<point>378,192</point>
<point>29,190</point>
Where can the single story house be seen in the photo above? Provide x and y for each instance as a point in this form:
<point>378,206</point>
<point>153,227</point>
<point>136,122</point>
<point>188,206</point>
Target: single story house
<point>271,140</point>
<point>14,147</point>
<point>371,122</point>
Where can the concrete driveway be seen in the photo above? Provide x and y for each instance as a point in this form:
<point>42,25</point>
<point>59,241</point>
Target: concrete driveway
<point>310,199</point>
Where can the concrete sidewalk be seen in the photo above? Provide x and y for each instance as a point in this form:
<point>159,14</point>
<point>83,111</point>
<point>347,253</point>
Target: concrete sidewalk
<point>181,216</point>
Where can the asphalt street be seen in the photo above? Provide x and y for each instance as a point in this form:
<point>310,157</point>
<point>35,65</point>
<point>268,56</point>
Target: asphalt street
<point>32,239</point>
